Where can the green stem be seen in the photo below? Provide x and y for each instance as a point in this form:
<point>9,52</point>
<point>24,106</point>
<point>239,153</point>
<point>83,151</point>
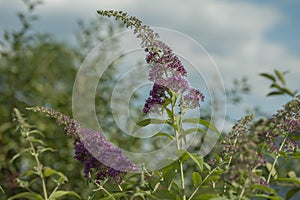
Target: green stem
<point>53,192</point>
<point>40,170</point>
<point>242,193</point>
<point>177,134</point>
<point>196,190</point>
<point>229,163</point>
<point>100,187</point>
<point>182,180</point>
<point>276,159</point>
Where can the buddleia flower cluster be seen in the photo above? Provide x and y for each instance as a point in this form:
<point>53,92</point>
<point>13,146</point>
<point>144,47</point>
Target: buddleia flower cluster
<point>247,147</point>
<point>101,159</point>
<point>241,150</point>
<point>165,68</point>
<point>279,130</point>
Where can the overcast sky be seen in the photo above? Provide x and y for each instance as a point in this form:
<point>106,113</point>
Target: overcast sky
<point>242,37</point>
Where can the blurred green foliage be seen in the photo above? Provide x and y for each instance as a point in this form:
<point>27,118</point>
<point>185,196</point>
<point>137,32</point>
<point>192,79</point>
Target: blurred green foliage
<point>36,69</point>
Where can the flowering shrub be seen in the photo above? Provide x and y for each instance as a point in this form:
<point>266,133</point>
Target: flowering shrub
<point>247,163</point>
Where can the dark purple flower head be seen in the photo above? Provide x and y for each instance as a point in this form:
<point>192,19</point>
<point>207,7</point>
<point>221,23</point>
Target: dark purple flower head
<point>101,159</point>
<point>156,99</point>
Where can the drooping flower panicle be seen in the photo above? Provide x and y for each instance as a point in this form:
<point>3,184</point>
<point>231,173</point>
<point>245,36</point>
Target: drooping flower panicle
<point>102,160</point>
<point>166,69</point>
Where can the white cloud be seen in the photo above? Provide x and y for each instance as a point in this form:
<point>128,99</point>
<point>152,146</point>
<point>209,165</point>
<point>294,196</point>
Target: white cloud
<point>233,32</point>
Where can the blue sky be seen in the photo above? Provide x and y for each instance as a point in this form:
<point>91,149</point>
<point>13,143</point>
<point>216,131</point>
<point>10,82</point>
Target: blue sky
<point>244,38</point>
<point>288,31</point>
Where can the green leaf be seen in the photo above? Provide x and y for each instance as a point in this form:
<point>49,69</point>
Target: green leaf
<point>258,172</point>
<point>264,188</point>
<point>291,193</point>
<point>27,195</point>
<point>268,76</point>
<point>34,140</point>
<point>182,154</point>
<point>295,155</point>
<point>202,122</point>
<point>197,179</point>
<point>169,177</point>
<point>61,180</point>
<point>192,130</point>
<point>165,194</point>
<point>169,173</point>
<point>204,196</point>
<point>93,193</point>
<point>275,85</point>
<point>207,166</point>
<point>169,112</point>
<point>49,172</point>
<point>295,180</point>
<point>18,155</point>
<point>46,149</point>
<point>146,122</point>
<point>280,76</point>
<point>271,197</point>
<point>163,135</point>
<point>275,93</point>
<point>36,132</point>
<point>198,159</point>
<point>60,193</point>
<point>213,178</point>
<point>28,173</point>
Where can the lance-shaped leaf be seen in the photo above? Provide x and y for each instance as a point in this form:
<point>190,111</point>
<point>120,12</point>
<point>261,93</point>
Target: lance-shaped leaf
<point>280,76</point>
<point>198,159</point>
<point>58,194</point>
<point>268,76</point>
<point>192,130</point>
<point>197,179</point>
<point>27,195</point>
<point>162,134</point>
<point>202,122</point>
<point>146,122</point>
<point>294,180</point>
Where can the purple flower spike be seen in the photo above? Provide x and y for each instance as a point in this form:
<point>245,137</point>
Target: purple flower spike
<point>157,72</point>
<point>192,98</point>
<point>165,68</point>
<point>175,83</point>
<point>101,155</point>
<point>100,158</point>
